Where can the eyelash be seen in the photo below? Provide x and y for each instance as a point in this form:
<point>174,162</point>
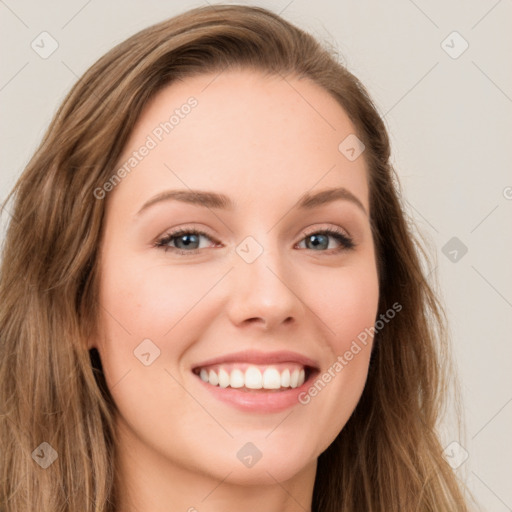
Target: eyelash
<point>345,241</point>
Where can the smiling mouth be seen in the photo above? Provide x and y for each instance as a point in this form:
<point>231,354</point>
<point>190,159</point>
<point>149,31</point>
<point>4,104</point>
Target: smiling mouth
<point>254,378</point>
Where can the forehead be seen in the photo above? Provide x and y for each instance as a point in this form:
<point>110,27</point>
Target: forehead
<point>252,136</point>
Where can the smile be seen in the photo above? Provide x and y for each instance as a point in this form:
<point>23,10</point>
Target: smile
<point>257,382</point>
<point>249,377</point>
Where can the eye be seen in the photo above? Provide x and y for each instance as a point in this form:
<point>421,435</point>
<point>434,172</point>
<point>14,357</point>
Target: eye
<point>181,239</point>
<point>320,240</point>
<point>186,241</point>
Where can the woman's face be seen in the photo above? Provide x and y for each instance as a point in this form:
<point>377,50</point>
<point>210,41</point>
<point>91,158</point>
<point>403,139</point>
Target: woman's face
<point>262,296</point>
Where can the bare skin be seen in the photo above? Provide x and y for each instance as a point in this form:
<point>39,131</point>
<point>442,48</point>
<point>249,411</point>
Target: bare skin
<point>262,143</point>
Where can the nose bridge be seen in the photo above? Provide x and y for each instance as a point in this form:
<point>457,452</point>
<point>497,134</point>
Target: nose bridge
<point>261,281</point>
<point>260,262</point>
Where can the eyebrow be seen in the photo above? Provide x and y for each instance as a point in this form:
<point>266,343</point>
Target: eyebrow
<point>307,201</point>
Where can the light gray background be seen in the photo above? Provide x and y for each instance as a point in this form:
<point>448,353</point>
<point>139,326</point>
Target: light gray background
<point>450,123</point>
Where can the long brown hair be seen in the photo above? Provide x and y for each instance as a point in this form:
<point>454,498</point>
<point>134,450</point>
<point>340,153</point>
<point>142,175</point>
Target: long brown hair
<point>387,457</point>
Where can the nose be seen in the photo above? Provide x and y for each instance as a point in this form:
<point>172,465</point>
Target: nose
<point>265,292</point>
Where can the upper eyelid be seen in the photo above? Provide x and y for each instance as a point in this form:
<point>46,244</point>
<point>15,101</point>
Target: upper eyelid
<point>201,231</point>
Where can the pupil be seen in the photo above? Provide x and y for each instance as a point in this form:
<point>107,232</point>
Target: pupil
<point>187,240</point>
<point>315,239</point>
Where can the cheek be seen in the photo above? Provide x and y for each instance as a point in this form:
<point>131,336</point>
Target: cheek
<point>141,302</point>
<point>347,302</point>
<point>152,300</point>
<point>155,307</point>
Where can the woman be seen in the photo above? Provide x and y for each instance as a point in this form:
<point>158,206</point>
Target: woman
<point>292,360</point>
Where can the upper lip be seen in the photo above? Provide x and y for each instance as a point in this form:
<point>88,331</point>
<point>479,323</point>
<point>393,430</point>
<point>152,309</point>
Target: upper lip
<point>258,357</point>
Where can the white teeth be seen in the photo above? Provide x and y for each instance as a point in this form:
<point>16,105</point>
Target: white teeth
<point>254,377</point>
<point>294,378</point>
<point>271,379</point>
<point>213,378</point>
<point>223,378</point>
<point>285,378</point>
<point>237,379</point>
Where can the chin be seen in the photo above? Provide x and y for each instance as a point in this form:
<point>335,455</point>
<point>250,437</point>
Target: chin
<point>264,465</point>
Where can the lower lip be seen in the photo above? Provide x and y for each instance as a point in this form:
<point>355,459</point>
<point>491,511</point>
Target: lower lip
<point>259,401</point>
